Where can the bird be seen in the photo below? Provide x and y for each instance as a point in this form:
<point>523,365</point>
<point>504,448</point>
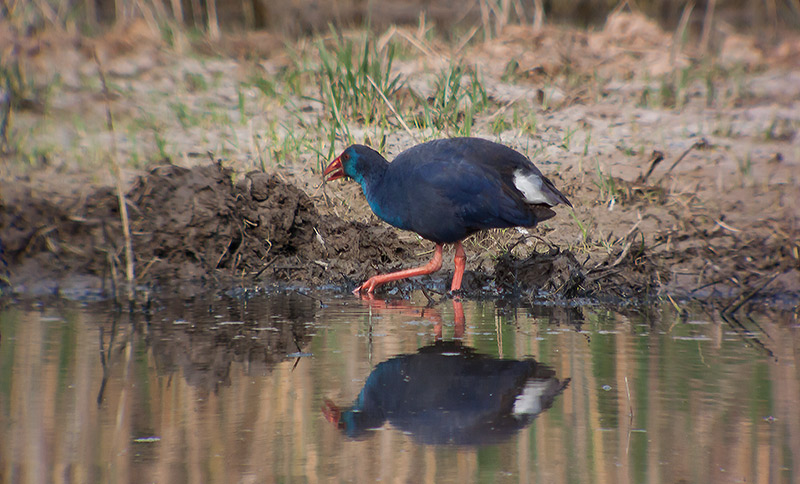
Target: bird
<point>446,190</point>
<point>470,399</point>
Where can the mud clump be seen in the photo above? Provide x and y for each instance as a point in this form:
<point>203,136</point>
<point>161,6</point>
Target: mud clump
<point>191,229</point>
<point>554,272</point>
<point>196,224</point>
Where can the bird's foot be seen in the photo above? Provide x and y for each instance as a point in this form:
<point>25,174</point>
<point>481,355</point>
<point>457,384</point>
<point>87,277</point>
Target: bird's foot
<point>366,296</point>
<point>368,286</point>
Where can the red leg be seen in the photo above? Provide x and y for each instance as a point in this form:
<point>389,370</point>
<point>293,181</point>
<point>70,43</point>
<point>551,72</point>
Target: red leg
<point>460,261</point>
<point>434,265</point>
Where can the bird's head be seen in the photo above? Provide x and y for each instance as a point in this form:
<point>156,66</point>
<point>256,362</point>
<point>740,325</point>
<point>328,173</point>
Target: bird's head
<point>352,422</point>
<point>332,412</point>
<point>356,162</point>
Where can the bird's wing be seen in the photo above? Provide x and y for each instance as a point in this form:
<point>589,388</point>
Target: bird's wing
<point>516,171</point>
<point>482,199</point>
<point>513,170</point>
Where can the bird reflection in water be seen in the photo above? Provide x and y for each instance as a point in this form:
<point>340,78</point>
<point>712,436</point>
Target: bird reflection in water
<point>448,393</point>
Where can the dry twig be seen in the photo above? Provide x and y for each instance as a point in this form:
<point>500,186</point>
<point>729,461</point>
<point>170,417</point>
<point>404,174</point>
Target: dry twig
<point>698,145</point>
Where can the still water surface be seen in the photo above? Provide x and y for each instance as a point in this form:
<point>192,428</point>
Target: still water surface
<point>292,388</point>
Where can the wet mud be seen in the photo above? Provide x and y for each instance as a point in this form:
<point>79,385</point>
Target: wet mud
<point>209,228</point>
<point>191,229</point>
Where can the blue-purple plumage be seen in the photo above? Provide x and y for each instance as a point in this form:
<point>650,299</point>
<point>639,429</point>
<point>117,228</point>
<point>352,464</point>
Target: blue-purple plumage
<point>445,190</point>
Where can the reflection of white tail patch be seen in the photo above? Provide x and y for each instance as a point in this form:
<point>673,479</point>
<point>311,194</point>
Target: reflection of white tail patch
<point>531,186</point>
<point>529,402</point>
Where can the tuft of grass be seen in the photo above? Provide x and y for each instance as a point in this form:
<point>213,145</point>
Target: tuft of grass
<point>344,79</point>
<point>458,97</point>
<point>184,115</point>
<point>587,141</point>
<point>581,227</point>
<point>529,124</point>
<point>609,192</point>
<point>161,145</point>
<point>711,89</point>
<point>499,124</point>
<point>18,92</point>
<point>567,138</point>
<point>745,167</point>
<point>680,87</point>
<point>266,86</point>
<point>195,82</point>
<point>511,71</point>
<point>448,97</point>
<point>666,94</point>
<point>240,105</point>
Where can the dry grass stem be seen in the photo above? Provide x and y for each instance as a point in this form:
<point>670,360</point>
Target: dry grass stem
<point>680,32</point>
<point>708,23</point>
<point>538,15</point>
<point>213,22</point>
<point>117,169</point>
<point>392,109</point>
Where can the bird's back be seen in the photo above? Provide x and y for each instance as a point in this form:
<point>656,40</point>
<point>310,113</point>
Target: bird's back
<point>448,189</point>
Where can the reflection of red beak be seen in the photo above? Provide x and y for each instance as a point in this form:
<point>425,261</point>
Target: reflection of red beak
<point>332,412</point>
<point>334,170</point>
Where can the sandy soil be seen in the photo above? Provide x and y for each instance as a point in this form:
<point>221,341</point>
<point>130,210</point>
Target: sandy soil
<point>685,187</point>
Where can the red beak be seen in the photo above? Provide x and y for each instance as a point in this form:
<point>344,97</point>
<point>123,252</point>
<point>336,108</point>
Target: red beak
<point>334,170</point>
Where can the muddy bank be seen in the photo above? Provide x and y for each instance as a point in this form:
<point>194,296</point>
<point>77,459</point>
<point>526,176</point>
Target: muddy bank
<point>192,229</point>
<point>209,228</point>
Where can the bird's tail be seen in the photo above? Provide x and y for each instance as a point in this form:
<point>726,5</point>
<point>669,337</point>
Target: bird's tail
<point>553,194</point>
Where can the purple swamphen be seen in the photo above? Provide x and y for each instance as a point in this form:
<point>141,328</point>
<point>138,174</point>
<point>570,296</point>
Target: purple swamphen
<point>471,398</point>
<point>446,190</point>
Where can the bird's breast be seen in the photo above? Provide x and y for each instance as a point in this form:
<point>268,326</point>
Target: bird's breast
<point>387,204</point>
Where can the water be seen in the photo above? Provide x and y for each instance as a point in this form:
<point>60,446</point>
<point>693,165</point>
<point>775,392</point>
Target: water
<point>263,390</point>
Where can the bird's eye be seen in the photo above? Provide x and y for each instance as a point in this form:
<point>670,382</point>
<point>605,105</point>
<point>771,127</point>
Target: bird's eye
<point>345,156</point>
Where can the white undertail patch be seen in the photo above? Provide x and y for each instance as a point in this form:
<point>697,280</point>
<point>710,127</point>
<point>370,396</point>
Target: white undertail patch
<point>529,402</point>
<point>531,187</point>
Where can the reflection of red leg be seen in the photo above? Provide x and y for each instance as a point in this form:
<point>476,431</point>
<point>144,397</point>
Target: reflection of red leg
<point>458,319</point>
<point>437,331</point>
<point>460,261</point>
<point>434,265</point>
